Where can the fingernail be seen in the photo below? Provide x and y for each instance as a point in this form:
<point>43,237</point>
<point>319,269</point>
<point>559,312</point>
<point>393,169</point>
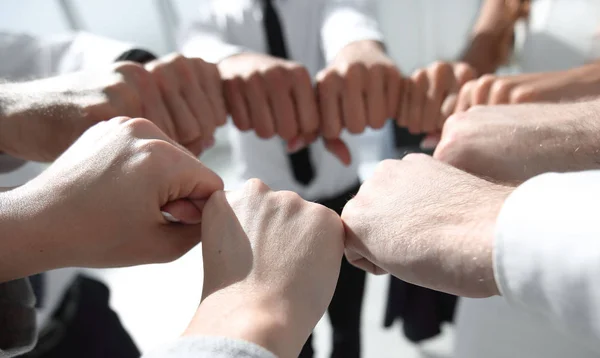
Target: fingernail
<point>430,142</point>
<point>169,217</point>
<point>209,143</point>
<point>295,145</point>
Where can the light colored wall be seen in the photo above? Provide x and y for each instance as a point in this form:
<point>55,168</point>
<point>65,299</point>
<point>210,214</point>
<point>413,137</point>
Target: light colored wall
<point>418,31</point>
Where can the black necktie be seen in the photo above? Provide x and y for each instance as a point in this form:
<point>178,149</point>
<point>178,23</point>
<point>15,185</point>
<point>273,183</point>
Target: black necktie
<point>300,161</point>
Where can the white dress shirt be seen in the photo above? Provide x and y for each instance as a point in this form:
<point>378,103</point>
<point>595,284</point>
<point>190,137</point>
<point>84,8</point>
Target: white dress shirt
<point>547,265</point>
<point>315,31</point>
<point>561,34</point>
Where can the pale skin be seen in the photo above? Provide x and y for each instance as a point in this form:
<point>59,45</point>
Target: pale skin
<point>272,96</point>
<point>182,96</point>
<point>431,94</point>
<point>515,143</point>
<point>258,287</point>
<point>100,203</point>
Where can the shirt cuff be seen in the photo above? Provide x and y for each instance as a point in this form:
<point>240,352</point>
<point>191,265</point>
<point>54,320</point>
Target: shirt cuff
<point>209,49</point>
<point>547,250</point>
<point>345,26</point>
<point>211,347</point>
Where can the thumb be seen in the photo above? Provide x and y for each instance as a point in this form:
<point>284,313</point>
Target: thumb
<point>184,211</point>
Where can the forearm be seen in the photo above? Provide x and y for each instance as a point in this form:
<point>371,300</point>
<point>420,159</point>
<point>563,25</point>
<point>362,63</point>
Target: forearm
<point>31,118</point>
<point>491,38</point>
<point>21,252</point>
<point>240,317</point>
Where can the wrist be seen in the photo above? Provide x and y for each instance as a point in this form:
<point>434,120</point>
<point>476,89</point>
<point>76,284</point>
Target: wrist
<point>22,250</point>
<point>245,317</point>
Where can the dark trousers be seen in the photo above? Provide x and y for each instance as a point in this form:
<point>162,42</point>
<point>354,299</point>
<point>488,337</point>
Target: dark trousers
<point>346,306</point>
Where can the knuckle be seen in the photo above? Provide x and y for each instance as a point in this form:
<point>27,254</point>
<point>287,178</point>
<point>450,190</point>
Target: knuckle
<point>276,75</point>
<point>136,126</point>
<point>256,186</point>
<point>439,67</point>
<point>522,95</point>
<point>486,80</point>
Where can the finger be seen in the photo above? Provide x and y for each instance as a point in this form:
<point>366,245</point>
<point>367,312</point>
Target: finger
<point>338,148</point>
<point>464,97</point>
<point>190,179</point>
<point>196,98</point>
<point>209,80</point>
<point>280,101</point>
<point>393,87</point>
<point>329,92</point>
<point>500,93</point>
<point>182,211</point>
<point>187,128</point>
<point>417,102</point>
<point>405,103</point>
<point>353,99</point>
<point>154,107</point>
<point>442,81</point>
<point>481,92</point>
<point>258,104</point>
<point>305,102</point>
<point>236,103</point>
<point>358,261</point>
<point>376,98</point>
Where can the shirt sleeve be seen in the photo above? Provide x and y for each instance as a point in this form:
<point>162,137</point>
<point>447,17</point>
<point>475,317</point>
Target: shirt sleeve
<point>210,347</point>
<point>347,21</point>
<point>25,57</point>
<point>207,36</point>
<point>547,251</point>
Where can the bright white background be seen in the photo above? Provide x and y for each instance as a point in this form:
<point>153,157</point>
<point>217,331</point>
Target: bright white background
<point>155,302</point>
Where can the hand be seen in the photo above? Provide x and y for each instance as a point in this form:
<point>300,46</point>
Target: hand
<point>360,89</point>
<point>526,88</point>
<point>99,204</point>
<point>426,223</point>
<point>271,263</point>
<point>43,118</point>
<point>271,96</point>
<point>514,143</point>
<point>430,96</point>
<point>193,97</point>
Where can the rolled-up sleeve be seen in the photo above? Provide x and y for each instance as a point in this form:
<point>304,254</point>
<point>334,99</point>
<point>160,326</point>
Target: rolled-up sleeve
<point>206,37</point>
<point>210,347</point>
<point>547,251</point>
<point>347,21</point>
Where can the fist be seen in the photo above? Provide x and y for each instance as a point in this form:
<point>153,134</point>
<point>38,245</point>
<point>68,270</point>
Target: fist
<point>360,89</point>
<point>99,204</point>
<point>430,96</point>
<point>192,105</point>
<point>270,255</point>
<point>425,223</point>
<point>515,143</point>
<point>269,95</point>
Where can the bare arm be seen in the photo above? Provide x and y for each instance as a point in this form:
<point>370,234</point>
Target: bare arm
<point>493,34</point>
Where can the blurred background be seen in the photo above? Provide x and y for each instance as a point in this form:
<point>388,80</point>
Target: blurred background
<point>156,302</point>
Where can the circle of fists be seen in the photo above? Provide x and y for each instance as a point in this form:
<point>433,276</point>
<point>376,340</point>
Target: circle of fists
<point>273,96</point>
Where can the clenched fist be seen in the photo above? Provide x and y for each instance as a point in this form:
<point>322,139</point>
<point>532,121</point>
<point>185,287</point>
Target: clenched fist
<point>360,89</point>
<point>426,223</point>
<point>514,143</point>
<point>271,263</point>
<point>430,96</point>
<point>269,95</point>
<point>100,203</point>
<point>182,96</point>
